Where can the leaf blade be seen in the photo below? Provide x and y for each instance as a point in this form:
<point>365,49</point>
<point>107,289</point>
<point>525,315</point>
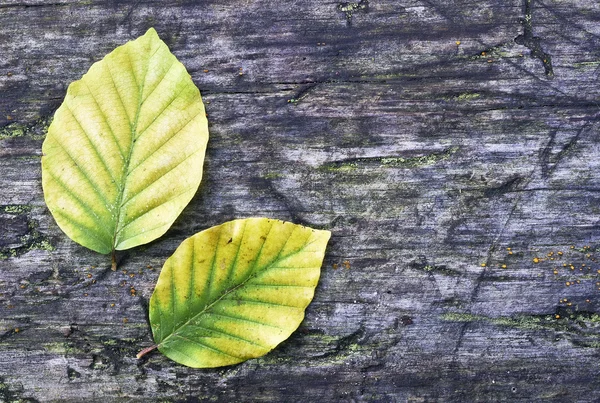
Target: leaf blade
<point>225,295</point>
<point>131,125</point>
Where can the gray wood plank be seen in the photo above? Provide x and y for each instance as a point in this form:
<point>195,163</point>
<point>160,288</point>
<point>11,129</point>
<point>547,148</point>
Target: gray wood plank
<point>451,147</point>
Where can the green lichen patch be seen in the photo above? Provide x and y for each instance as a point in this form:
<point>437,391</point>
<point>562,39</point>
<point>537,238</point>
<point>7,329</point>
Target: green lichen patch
<point>339,167</point>
<point>21,232</point>
<point>36,130</point>
<point>273,175</point>
<point>467,96</point>
<point>415,162</point>
<point>590,64</point>
<point>565,320</point>
<point>12,393</point>
<point>424,265</point>
<point>15,208</point>
<point>388,162</point>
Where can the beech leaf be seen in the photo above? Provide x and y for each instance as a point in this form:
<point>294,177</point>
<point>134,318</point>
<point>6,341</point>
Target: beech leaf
<point>124,153</point>
<point>235,291</point>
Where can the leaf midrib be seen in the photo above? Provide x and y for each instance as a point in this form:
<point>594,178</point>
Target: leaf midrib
<point>133,129</point>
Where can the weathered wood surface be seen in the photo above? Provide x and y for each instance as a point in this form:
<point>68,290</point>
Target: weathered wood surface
<point>429,136</point>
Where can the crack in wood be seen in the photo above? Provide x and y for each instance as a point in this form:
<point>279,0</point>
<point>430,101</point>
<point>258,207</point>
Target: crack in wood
<point>533,43</point>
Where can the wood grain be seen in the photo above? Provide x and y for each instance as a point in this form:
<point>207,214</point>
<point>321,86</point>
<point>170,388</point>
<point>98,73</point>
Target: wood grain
<point>450,146</point>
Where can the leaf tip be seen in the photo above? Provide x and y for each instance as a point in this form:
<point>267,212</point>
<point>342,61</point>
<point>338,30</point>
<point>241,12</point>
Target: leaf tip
<point>151,32</point>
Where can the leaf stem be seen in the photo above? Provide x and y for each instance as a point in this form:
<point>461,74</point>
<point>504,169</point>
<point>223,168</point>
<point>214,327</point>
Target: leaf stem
<point>113,266</point>
<point>146,351</point>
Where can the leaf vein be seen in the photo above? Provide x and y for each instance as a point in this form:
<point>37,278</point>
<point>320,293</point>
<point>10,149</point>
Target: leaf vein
<point>191,293</point>
<point>89,139</point>
<point>145,212</point>
<point>174,61</point>
<point>103,198</point>
<point>146,187</point>
<point>74,196</point>
<point>163,144</point>
<point>231,335</point>
<point>89,231</point>
<point>106,119</point>
<point>255,301</point>
<point>205,346</point>
<point>244,320</point>
<point>112,79</point>
<point>175,97</point>
<point>237,254</point>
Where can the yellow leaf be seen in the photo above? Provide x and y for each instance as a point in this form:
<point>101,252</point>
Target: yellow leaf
<point>124,153</point>
<point>235,291</point>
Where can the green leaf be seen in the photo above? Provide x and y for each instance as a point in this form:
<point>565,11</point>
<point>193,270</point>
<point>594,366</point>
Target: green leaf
<point>124,153</point>
<point>235,291</point>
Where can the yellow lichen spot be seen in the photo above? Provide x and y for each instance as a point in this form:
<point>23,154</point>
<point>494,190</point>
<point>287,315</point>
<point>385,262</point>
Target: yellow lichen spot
<point>536,260</point>
<point>555,272</point>
<point>510,253</point>
<point>112,305</point>
<point>17,330</point>
<point>457,43</point>
<point>588,301</point>
<point>560,253</point>
<point>125,320</point>
<point>557,316</point>
<point>483,264</point>
<point>504,266</point>
<point>346,264</point>
<point>568,283</point>
<point>335,266</point>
